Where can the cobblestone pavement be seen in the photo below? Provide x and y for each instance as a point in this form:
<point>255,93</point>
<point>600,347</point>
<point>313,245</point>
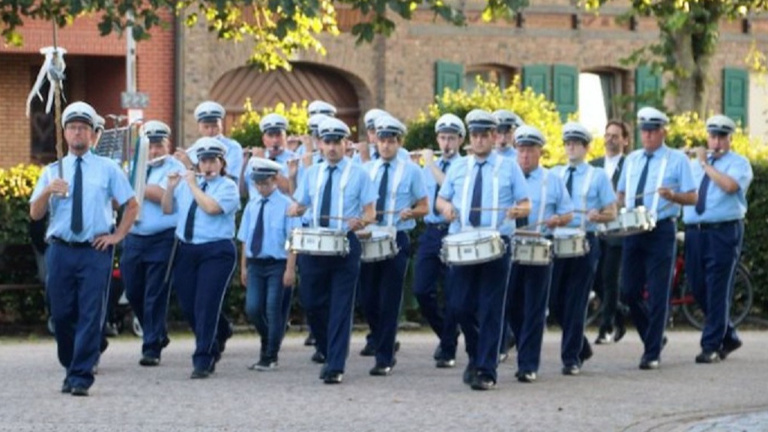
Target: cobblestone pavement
<point>612,394</point>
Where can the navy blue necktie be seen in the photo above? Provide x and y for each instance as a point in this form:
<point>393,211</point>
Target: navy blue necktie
<point>477,197</point>
<point>149,171</point>
<point>189,226</point>
<point>446,164</point>
<point>701,202</point>
<point>569,182</point>
<point>325,205</point>
<point>258,233</point>
<point>641,184</point>
<point>380,203</point>
<point>77,199</point>
<point>521,222</point>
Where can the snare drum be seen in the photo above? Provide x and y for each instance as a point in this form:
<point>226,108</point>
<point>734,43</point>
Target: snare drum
<point>629,222</point>
<point>531,251</point>
<point>318,241</point>
<point>379,246</point>
<point>472,247</point>
<point>570,242</point>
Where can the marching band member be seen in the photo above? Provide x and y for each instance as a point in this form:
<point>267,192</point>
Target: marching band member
<point>591,193</point>
<point>606,285</point>
<point>714,231</point>
<point>206,254</point>
<point>341,196</point>
<point>148,248</point>
<point>505,133</point>
<point>274,129</point>
<point>402,198</point>
<point>367,151</point>
<point>551,207</point>
<point>658,178</point>
<point>265,268</point>
<point>468,197</point>
<point>430,269</point>
<point>79,256</point>
<point>321,107</point>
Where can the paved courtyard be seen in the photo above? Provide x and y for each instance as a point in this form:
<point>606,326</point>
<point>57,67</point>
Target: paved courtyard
<point>612,394</point>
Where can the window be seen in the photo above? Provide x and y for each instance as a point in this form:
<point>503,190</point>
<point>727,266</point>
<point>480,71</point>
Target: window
<point>598,102</point>
<point>502,76</point>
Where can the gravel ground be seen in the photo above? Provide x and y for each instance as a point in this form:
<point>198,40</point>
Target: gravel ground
<point>612,394</point>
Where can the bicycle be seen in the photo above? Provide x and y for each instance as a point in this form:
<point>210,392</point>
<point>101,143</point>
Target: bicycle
<point>681,299</point>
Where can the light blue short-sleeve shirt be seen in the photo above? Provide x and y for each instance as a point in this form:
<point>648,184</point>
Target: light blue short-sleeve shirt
<point>410,189</point>
<point>593,196</point>
<point>234,156</point>
<point>152,220</point>
<point>103,180</point>
<point>277,225</point>
<point>207,227</point>
<point>721,206</point>
<point>556,202</point>
<point>432,187</point>
<point>512,188</point>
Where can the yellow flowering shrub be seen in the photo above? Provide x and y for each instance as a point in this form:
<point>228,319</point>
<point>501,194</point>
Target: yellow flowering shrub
<point>16,186</point>
<point>246,130</point>
<point>689,130</point>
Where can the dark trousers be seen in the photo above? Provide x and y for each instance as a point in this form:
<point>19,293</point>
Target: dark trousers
<point>143,265</point>
<point>327,289</point>
<point>571,282</point>
<point>201,277</point>
<point>477,298</point>
<point>647,268</point>
<point>264,303</point>
<point>607,283</point>
<point>382,290</point>
<point>527,308</point>
<point>711,256</point>
<point>77,288</point>
<point>429,270</point>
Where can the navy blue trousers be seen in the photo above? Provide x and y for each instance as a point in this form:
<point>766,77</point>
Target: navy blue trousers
<point>327,289</point>
<point>527,308</point>
<point>572,280</point>
<point>201,277</point>
<point>711,256</point>
<point>429,270</point>
<point>77,287</point>
<point>477,298</point>
<point>264,302</point>
<point>381,285</point>
<point>143,265</point>
<point>647,267</point>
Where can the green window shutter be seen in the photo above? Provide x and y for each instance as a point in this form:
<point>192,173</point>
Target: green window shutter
<point>736,94</point>
<point>449,75</point>
<point>647,92</point>
<point>565,90</point>
<point>537,78</point>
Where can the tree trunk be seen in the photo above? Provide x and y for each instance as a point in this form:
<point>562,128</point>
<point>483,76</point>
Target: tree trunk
<point>691,75</point>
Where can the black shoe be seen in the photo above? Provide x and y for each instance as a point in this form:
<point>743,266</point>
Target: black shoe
<point>381,370</point>
<point>482,382</point>
<point>222,341</point>
<point>503,356</point>
<point>318,357</point>
<point>646,364</point>
<point>571,370</point>
<point>445,363</point>
<point>310,340</point>
<point>586,351</point>
<point>104,345</point>
<point>199,374</point>
<point>469,374</point>
<point>265,364</point>
<point>708,357</point>
<point>526,377</point>
<point>369,350</point>
<point>165,342</point>
<point>438,354</point>
<point>728,347</point>
<point>604,337</point>
<point>323,372</point>
<point>79,391</point>
<point>147,360</point>
<point>621,330</point>
<point>333,378</point>
<point>65,387</point>
<point>397,346</point>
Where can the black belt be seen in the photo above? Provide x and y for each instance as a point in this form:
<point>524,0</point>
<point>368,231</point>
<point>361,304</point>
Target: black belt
<point>713,225</point>
<point>79,245</point>
<point>265,261</point>
<point>439,226</point>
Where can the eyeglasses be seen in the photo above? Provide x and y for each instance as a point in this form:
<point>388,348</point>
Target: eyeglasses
<point>77,127</point>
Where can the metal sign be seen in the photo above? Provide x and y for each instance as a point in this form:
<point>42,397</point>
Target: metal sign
<point>134,100</point>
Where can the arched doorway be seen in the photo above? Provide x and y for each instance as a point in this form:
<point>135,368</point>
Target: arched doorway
<point>305,81</point>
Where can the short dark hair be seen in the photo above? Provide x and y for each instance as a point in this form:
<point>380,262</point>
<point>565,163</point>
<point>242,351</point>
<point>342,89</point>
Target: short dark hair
<point>624,132</point>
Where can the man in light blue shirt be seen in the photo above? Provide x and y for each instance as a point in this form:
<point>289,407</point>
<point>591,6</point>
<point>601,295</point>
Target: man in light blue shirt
<point>505,133</point>
<point>594,202</point>
<point>430,268</point>
<point>327,283</point>
<point>714,232</point>
<point>77,191</point>
<point>551,207</point>
<point>274,129</point>
<point>209,116</point>
<point>402,197</point>
<point>658,178</point>
<point>147,249</point>
<point>482,191</point>
<point>267,270</point>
